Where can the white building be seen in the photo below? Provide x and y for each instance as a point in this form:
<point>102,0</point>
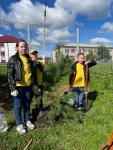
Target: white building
<point>71,49</point>
<point>7,47</point>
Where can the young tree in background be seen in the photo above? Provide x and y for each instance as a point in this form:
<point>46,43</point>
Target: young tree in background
<point>92,56</point>
<point>58,52</point>
<point>103,52</point>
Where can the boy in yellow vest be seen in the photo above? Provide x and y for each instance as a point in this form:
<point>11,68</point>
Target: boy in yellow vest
<point>78,77</point>
<point>33,54</point>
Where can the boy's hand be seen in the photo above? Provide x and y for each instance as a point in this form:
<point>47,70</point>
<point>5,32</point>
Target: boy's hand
<point>87,62</point>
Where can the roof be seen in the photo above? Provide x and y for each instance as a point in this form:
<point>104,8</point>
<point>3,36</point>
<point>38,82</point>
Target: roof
<point>73,45</point>
<point>46,58</point>
<point>83,45</point>
<point>8,39</point>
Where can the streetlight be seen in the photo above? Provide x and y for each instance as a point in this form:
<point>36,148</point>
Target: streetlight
<point>44,33</point>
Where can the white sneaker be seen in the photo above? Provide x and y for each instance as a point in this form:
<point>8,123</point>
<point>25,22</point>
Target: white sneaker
<point>79,108</point>
<point>21,129</point>
<point>30,125</point>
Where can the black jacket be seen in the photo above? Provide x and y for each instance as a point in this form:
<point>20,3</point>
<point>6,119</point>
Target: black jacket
<point>14,70</point>
<point>93,63</point>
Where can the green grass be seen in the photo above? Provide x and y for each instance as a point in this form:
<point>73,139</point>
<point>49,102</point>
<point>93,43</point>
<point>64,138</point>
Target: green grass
<point>3,69</point>
<point>4,86</point>
<point>92,134</point>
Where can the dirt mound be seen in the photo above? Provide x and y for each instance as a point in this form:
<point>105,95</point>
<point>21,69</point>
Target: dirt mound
<point>64,90</point>
<point>6,101</point>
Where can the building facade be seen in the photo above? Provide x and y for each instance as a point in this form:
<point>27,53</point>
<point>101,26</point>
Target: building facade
<point>71,50</point>
<point>7,47</point>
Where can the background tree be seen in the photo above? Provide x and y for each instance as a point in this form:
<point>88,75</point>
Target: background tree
<point>58,51</point>
<point>92,56</point>
<point>103,52</point>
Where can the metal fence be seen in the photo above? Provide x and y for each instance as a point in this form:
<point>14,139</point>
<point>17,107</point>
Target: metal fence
<point>83,38</point>
<point>33,34</point>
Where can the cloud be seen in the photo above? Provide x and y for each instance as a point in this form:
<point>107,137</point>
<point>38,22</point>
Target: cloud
<point>107,26</point>
<point>40,53</point>
<point>35,44</point>
<point>21,34</point>
<point>59,18</point>
<point>1,34</point>
<point>5,26</point>
<point>79,24</point>
<point>62,14</point>
<point>92,8</point>
<point>55,36</point>
<point>26,10</point>
<point>103,41</point>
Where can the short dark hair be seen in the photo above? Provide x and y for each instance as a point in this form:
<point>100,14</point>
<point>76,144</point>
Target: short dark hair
<point>20,40</point>
<point>80,54</point>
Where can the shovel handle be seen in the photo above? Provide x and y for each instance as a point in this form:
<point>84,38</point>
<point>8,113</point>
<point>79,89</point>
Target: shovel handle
<point>86,76</point>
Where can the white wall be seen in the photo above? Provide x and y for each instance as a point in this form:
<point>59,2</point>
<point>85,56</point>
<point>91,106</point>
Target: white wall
<point>12,50</point>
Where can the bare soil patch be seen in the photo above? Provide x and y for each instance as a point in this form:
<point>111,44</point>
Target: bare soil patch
<point>6,101</point>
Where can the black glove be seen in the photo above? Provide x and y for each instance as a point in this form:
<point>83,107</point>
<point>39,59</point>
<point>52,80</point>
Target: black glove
<point>35,63</point>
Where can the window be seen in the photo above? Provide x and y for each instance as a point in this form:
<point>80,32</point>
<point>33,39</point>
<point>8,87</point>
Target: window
<point>95,50</point>
<point>84,51</point>
<point>66,50</point>
<point>2,57</point>
<point>2,49</point>
<point>89,50</point>
<point>72,50</point>
<point>110,51</point>
<point>79,50</point>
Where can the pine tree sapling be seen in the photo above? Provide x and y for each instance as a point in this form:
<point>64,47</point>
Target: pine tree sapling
<point>38,94</point>
<point>51,78</point>
<point>59,107</point>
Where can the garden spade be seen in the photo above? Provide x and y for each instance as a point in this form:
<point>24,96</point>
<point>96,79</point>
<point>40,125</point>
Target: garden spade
<point>87,103</point>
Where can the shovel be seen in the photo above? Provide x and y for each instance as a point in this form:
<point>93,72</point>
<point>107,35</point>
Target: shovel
<point>87,103</point>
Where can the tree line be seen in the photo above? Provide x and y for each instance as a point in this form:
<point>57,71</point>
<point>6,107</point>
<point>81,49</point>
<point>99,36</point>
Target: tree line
<point>101,54</point>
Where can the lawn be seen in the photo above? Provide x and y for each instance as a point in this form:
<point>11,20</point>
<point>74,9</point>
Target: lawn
<point>89,133</point>
<point>3,69</point>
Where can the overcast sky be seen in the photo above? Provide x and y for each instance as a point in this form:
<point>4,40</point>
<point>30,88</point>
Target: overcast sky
<point>63,17</point>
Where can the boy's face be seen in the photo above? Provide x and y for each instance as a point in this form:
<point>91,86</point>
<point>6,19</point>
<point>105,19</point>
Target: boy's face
<point>80,59</point>
<point>34,56</point>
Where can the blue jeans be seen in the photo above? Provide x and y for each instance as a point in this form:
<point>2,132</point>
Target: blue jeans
<point>23,98</point>
<point>80,94</point>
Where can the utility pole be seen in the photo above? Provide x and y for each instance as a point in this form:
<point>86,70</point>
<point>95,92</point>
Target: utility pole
<point>77,41</point>
<point>44,33</point>
<point>28,30</point>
